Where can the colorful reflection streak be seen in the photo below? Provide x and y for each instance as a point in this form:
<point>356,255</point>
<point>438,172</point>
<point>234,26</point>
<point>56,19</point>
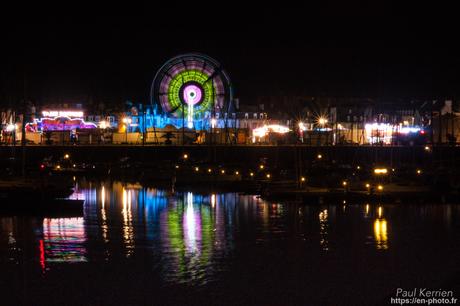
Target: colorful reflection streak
<point>194,231</point>
<point>64,240</point>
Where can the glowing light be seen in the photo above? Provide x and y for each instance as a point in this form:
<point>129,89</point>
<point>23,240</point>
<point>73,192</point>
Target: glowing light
<point>189,90</point>
<point>213,122</point>
<point>185,156</point>
<point>261,166</point>
<point>103,124</point>
<point>69,114</point>
<point>379,132</point>
<point>319,156</point>
<point>358,167</point>
<point>344,183</point>
<point>381,234</point>
<point>177,166</point>
<point>302,127</point>
<point>213,200</point>
<point>407,130</point>
<point>322,120</point>
<point>58,124</point>
<point>197,169</point>
<point>367,209</point>
<point>251,174</point>
<point>58,167</point>
<point>209,170</point>
<point>236,173</point>
<point>192,228</point>
<point>42,166</point>
<point>222,171</point>
<point>419,171</point>
<point>427,148</point>
<point>302,179</point>
<point>74,165</point>
<point>268,175</point>
<point>380,170</point>
<point>66,156</point>
<point>127,120</point>
<point>368,185</point>
<point>264,130</point>
<point>380,187</point>
<point>11,127</point>
<point>379,210</point>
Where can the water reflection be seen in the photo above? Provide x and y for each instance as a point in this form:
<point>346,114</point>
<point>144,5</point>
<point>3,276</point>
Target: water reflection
<point>380,234</point>
<point>323,230</point>
<point>191,238</point>
<point>380,230</point>
<point>63,240</point>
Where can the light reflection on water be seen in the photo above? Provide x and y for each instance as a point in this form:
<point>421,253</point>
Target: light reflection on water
<point>192,238</point>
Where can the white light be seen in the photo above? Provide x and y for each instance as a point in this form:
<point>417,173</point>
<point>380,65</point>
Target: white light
<point>103,124</point>
<point>213,122</point>
<point>264,130</point>
<point>322,120</point>
<point>11,127</point>
<point>69,114</point>
<point>302,127</point>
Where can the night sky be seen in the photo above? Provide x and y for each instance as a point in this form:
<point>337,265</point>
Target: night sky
<point>111,53</point>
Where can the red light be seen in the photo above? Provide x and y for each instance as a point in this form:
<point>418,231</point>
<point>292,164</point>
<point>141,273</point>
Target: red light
<point>42,166</point>
<point>422,132</point>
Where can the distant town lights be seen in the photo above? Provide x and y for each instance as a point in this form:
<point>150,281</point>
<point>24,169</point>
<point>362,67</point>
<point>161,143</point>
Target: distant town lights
<point>380,170</point>
<point>103,124</point>
<point>322,120</point>
<point>11,127</point>
<point>70,114</point>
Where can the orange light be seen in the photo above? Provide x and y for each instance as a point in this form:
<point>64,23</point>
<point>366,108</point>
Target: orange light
<point>380,170</point>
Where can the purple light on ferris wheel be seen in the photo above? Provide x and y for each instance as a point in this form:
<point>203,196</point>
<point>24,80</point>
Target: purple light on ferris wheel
<point>192,94</point>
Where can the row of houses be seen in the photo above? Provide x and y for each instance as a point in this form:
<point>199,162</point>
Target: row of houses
<point>314,121</point>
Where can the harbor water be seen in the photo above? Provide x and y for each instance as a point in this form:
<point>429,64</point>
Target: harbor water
<point>138,245</point>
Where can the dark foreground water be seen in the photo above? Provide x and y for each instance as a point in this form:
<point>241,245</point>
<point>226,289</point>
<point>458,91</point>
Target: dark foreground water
<point>136,246</point>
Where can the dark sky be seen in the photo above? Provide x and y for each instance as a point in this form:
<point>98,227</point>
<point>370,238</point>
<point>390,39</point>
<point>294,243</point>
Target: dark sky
<point>112,52</point>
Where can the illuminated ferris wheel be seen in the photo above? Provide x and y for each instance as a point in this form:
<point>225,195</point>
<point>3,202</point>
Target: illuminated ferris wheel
<point>190,86</point>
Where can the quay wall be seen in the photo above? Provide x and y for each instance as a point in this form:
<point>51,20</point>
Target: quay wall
<point>280,156</point>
